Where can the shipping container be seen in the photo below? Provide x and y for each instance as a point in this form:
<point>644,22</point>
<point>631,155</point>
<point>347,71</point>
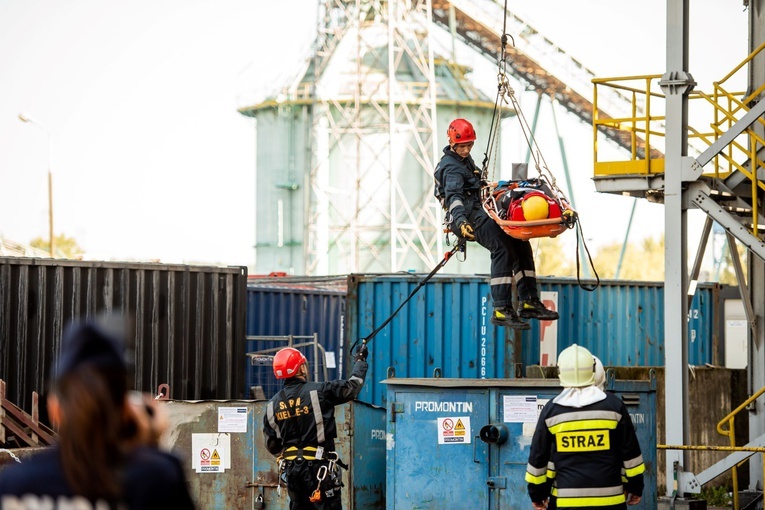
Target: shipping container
<point>288,311</point>
<point>622,322</point>
<point>246,475</point>
<point>435,429</point>
<point>445,329</point>
<point>187,321</point>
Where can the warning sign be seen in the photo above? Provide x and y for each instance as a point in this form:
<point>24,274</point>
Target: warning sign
<point>211,453</point>
<point>454,430</point>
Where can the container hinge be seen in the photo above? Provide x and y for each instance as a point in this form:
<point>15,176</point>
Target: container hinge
<point>497,482</point>
<point>395,408</point>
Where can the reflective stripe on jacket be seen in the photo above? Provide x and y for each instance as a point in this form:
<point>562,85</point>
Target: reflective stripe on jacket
<point>457,185</point>
<point>303,413</point>
<point>579,455</point>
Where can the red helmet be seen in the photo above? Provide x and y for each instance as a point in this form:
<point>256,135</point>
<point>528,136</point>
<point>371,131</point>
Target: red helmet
<point>287,362</point>
<point>460,131</point>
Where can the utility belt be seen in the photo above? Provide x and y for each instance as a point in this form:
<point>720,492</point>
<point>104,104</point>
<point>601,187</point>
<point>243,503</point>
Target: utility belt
<point>304,453</point>
<point>295,456</point>
<point>299,454</point>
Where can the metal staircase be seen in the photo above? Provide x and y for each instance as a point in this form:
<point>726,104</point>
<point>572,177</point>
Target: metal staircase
<point>725,176</point>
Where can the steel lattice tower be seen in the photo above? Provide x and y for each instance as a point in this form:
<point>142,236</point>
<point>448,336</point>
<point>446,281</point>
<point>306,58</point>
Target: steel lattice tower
<point>363,204</point>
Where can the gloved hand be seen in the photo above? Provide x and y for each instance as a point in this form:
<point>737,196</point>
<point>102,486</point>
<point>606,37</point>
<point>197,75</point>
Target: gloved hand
<point>466,230</point>
<point>361,353</point>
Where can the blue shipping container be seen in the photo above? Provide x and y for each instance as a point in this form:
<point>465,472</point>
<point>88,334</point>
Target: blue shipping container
<point>622,322</point>
<point>445,327</point>
<point>287,306</point>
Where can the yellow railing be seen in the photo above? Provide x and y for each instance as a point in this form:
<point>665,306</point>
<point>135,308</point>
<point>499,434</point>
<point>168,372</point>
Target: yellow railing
<point>731,433</point>
<point>643,128</point>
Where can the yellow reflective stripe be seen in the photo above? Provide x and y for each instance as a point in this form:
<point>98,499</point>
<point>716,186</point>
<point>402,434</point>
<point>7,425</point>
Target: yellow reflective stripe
<point>570,426</point>
<point>588,500</point>
<point>580,502</point>
<point>639,470</point>
<point>305,449</point>
<point>291,452</point>
<point>536,480</point>
<point>550,474</point>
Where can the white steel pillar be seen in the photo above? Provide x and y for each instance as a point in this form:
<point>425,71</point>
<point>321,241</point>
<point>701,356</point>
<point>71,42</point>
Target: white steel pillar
<point>676,84</point>
<point>756,366</point>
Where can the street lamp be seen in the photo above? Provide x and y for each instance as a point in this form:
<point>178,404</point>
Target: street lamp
<point>24,117</point>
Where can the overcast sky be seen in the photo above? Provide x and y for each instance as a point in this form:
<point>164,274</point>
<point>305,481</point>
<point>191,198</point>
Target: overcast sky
<point>150,158</point>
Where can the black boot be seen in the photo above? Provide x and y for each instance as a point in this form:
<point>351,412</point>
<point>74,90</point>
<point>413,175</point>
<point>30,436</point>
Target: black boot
<point>508,318</point>
<point>534,309</point>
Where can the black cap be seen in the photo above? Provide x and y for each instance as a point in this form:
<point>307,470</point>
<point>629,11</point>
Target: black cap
<point>97,342</point>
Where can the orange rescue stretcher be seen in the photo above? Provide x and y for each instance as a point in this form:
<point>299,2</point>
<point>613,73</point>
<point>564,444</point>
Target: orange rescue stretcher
<point>528,209</point>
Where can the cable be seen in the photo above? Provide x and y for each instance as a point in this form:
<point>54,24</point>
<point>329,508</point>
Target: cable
<point>457,247</point>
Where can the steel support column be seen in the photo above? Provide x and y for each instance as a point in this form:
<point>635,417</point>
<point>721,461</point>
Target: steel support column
<point>756,273</point>
<point>676,84</point>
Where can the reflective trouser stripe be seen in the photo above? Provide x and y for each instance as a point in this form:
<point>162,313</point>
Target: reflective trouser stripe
<point>501,280</point>
<point>524,274</point>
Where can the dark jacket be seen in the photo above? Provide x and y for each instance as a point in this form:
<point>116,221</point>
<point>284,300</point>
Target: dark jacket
<point>578,456</point>
<point>303,413</point>
<point>151,479</point>
<point>457,186</point>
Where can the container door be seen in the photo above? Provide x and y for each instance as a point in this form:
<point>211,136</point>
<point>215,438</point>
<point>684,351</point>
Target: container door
<point>518,411</point>
<point>436,459</point>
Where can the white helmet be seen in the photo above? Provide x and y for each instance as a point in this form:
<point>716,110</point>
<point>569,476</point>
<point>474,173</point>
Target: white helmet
<point>576,367</point>
<point>600,374</point>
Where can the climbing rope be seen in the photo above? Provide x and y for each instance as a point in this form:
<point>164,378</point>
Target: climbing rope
<point>459,247</point>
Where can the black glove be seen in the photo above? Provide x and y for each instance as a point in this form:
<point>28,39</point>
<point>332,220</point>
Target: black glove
<point>466,231</point>
<point>361,353</point>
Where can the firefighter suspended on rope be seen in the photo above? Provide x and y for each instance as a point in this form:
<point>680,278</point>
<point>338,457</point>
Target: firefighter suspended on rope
<point>533,207</point>
<point>459,187</point>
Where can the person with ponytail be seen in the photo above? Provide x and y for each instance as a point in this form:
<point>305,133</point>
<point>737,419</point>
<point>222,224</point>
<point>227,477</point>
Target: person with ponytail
<point>106,456</point>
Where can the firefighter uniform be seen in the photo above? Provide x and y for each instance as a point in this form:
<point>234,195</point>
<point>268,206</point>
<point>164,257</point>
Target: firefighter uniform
<point>300,426</point>
<point>585,457</point>
<point>458,185</point>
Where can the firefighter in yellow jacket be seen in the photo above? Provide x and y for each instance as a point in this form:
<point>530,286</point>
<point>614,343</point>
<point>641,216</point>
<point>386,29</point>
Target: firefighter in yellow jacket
<point>584,453</point>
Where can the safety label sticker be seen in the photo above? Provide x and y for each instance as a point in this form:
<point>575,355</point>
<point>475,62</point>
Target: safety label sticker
<point>529,427</point>
<point>520,408</point>
<point>232,419</point>
<point>454,430</point>
<point>211,453</point>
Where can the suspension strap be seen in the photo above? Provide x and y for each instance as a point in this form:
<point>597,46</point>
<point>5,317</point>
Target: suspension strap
<point>457,247</point>
<point>579,234</point>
